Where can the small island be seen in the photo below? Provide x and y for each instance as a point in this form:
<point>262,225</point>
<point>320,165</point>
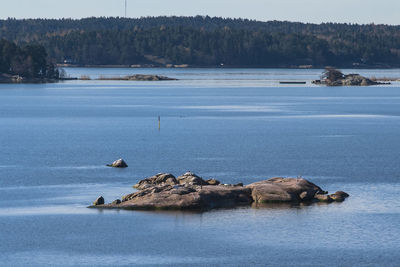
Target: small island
<point>191,192</point>
<point>135,77</point>
<point>334,77</point>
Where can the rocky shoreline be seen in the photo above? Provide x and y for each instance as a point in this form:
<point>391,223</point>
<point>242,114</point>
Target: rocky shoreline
<point>7,78</point>
<point>191,192</point>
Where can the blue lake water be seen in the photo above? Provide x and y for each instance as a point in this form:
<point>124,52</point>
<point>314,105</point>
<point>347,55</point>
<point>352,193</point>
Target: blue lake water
<point>236,125</point>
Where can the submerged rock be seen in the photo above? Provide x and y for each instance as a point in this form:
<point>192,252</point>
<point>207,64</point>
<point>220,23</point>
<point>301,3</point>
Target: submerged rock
<point>189,191</point>
<point>118,164</point>
<point>323,198</point>
<point>339,196</point>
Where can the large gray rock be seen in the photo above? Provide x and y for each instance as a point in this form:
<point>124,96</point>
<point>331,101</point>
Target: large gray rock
<point>283,190</point>
<point>187,197</point>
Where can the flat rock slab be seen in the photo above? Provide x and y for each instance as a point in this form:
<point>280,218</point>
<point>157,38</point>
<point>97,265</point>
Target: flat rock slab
<point>186,198</point>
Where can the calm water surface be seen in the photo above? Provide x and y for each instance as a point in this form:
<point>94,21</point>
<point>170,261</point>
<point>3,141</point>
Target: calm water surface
<point>235,125</point>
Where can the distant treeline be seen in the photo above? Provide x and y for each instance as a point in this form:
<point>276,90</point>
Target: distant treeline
<point>29,61</point>
<point>206,41</point>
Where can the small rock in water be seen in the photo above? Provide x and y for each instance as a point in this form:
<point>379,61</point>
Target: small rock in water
<point>99,201</point>
<point>118,164</point>
<point>339,196</point>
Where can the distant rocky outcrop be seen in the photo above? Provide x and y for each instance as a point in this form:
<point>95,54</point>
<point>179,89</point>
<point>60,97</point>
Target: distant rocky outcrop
<point>120,163</point>
<point>138,77</point>
<point>191,192</point>
<point>334,77</point>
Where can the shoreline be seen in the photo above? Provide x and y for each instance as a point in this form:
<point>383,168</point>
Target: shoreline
<point>16,79</point>
<point>22,80</point>
<point>145,66</point>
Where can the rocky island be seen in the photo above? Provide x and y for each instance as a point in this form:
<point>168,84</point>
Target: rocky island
<point>138,77</point>
<point>191,192</point>
<point>135,77</point>
<point>334,77</point>
<point>120,163</point>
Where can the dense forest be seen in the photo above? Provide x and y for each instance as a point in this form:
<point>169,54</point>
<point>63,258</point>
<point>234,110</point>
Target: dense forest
<point>206,41</point>
<point>30,61</point>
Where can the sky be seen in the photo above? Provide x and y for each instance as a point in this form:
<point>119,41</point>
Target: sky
<point>314,11</point>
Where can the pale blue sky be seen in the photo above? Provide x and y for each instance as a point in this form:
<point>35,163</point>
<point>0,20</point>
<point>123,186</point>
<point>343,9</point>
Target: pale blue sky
<point>354,11</point>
